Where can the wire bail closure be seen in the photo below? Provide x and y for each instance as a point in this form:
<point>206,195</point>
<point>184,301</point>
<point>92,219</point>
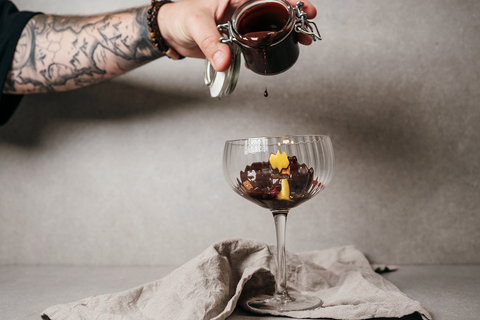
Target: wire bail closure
<point>304,25</point>
<point>226,32</point>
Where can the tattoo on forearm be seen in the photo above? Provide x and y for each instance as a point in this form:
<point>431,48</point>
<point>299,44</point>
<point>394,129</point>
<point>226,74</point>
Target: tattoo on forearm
<point>58,53</point>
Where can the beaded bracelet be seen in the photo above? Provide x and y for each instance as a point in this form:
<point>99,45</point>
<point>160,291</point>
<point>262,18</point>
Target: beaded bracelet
<point>154,30</point>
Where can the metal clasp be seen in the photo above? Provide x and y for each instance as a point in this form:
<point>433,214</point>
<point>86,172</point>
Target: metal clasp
<point>304,25</point>
<point>226,32</point>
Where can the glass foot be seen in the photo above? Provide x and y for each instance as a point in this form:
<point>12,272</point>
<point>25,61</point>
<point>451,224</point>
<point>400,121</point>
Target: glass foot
<point>292,302</point>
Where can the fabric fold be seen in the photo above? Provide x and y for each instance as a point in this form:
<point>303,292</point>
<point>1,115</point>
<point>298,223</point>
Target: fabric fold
<point>231,272</point>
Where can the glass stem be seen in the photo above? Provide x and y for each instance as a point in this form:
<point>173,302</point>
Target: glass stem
<point>280,218</point>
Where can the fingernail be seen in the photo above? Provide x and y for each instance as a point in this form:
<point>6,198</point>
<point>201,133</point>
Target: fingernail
<point>218,58</point>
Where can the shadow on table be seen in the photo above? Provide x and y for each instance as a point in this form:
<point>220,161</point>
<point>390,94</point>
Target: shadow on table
<point>240,314</point>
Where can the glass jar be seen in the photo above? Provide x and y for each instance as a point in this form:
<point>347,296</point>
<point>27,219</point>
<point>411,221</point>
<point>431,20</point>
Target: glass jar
<point>265,31</point>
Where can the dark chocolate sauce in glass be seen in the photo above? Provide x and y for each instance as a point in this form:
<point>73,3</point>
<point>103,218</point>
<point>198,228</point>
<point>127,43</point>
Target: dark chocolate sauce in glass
<point>264,184</point>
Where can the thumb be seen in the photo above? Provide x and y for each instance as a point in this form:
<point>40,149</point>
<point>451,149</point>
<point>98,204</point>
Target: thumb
<point>205,33</point>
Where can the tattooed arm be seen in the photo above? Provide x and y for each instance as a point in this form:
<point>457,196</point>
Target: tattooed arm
<point>59,53</point>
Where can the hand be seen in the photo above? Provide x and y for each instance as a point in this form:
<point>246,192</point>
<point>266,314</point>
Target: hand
<point>190,27</point>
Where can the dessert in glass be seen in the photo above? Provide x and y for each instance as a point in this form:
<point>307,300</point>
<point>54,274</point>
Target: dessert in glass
<point>280,173</point>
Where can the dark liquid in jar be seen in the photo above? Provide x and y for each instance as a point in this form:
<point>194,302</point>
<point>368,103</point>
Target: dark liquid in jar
<point>259,28</point>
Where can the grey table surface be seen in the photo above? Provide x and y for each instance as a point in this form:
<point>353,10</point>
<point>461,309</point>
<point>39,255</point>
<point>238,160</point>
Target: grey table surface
<point>447,291</point>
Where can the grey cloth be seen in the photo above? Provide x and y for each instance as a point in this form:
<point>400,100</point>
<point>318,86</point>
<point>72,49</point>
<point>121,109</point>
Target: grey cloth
<point>231,272</point>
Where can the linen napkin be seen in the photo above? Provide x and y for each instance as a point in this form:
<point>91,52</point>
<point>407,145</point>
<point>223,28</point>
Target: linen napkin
<point>229,273</point>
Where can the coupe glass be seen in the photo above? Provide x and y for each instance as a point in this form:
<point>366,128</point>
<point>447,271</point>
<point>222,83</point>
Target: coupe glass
<point>280,173</point>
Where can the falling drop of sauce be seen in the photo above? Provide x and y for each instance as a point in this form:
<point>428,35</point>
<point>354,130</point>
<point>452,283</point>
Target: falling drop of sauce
<point>265,93</point>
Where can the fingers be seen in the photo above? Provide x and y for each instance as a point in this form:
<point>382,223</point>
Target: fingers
<point>190,27</point>
<point>205,33</point>
<point>304,39</point>
<point>311,12</point>
<point>308,7</point>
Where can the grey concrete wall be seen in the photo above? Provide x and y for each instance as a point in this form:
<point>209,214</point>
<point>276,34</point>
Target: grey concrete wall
<point>130,171</point>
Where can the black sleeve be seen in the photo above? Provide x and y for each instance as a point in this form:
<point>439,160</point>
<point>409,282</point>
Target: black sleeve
<point>12,23</point>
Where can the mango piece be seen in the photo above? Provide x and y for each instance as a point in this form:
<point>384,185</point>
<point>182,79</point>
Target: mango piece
<point>279,161</point>
<point>284,194</point>
<point>247,185</point>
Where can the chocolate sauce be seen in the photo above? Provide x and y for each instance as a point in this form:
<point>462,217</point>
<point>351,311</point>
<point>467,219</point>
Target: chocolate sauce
<point>261,31</point>
<point>261,184</point>
<point>260,25</point>
<point>259,39</point>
